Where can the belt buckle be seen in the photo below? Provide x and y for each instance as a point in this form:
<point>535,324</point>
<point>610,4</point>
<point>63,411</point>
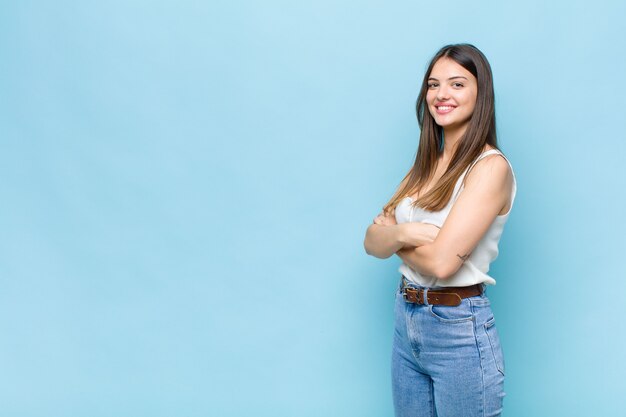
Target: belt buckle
<point>415,300</point>
<point>404,293</point>
<point>404,288</point>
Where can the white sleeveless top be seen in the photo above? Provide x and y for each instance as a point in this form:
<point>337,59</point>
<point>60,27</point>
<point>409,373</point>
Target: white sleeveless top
<point>474,269</point>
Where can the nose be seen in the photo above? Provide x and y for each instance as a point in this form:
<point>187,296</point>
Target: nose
<point>442,93</point>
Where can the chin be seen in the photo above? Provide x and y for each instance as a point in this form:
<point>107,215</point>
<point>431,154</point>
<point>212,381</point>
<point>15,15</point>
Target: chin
<point>445,123</point>
<point>451,123</point>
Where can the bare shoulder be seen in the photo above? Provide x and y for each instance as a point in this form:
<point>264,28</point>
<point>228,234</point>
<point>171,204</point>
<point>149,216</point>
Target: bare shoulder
<point>492,171</point>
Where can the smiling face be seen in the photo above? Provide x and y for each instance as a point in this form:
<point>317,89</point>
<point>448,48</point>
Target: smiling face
<point>451,95</point>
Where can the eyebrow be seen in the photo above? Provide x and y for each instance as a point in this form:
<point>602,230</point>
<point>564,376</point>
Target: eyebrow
<point>451,78</point>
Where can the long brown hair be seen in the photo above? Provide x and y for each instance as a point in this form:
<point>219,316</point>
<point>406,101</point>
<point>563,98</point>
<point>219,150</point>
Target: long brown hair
<point>480,131</point>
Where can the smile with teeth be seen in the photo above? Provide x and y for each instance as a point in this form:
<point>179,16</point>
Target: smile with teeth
<point>444,109</point>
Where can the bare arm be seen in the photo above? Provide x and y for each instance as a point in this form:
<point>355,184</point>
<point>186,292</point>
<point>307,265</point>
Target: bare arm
<point>487,189</point>
<point>385,237</point>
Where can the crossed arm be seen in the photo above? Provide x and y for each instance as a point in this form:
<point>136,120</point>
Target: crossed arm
<point>440,253</point>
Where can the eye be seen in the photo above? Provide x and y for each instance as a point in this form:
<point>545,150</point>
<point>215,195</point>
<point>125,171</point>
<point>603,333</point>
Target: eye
<point>457,85</point>
<point>432,85</point>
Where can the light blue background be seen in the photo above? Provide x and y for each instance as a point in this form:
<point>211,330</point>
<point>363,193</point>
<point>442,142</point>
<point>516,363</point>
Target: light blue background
<point>186,186</point>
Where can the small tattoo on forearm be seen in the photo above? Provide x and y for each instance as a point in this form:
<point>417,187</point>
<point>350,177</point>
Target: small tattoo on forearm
<point>463,257</point>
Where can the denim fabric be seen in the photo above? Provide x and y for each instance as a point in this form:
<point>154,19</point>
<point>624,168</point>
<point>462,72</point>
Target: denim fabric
<point>446,361</point>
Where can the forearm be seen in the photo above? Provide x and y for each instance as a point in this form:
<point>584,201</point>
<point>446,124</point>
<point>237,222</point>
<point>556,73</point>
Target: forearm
<point>428,260</point>
<point>382,241</point>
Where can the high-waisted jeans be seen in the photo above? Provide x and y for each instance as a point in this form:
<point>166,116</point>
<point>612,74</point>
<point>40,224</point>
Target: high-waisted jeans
<point>446,361</point>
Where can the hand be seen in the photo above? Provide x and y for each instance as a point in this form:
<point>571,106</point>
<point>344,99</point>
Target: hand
<point>389,220</point>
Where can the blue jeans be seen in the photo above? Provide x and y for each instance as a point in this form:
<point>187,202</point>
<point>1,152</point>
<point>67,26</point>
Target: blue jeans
<point>446,361</point>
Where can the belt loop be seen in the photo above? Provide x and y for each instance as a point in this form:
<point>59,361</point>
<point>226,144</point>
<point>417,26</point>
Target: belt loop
<point>426,296</point>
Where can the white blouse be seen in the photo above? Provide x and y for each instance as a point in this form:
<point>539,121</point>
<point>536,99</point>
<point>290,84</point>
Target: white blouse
<point>474,269</point>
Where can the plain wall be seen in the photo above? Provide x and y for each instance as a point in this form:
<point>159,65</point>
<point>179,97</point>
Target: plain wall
<point>186,187</point>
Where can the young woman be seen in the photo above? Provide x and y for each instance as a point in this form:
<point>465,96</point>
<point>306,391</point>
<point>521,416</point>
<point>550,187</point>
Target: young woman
<point>444,222</point>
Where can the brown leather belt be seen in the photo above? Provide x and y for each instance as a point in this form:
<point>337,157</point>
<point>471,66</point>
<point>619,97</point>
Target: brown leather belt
<point>447,296</point>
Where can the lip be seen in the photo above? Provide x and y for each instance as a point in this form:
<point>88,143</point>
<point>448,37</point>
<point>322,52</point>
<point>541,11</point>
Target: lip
<point>445,111</point>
